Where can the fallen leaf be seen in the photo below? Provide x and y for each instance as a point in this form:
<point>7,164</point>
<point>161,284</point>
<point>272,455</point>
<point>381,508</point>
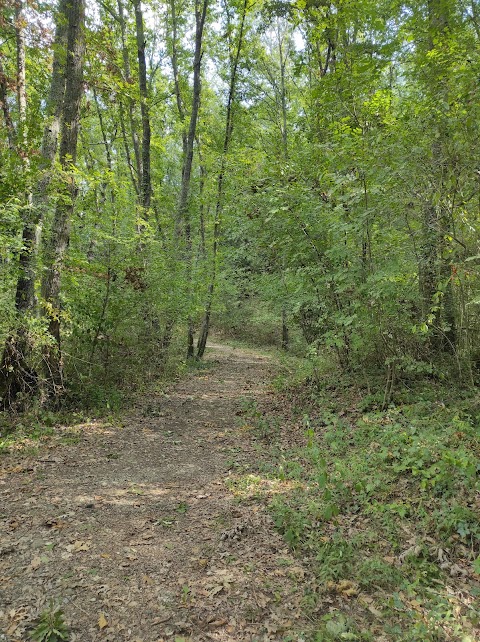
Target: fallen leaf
<point>54,523</point>
<point>344,587</point>
<point>78,546</point>
<point>35,563</point>
<point>12,628</point>
<point>375,611</point>
<point>215,590</point>
<point>297,571</point>
<point>262,600</point>
<point>161,619</point>
<point>102,621</point>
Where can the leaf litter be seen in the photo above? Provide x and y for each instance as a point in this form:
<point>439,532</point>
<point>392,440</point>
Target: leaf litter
<point>150,544</point>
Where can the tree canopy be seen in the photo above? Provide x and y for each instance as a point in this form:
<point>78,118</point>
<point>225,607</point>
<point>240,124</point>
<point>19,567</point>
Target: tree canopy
<point>306,170</point>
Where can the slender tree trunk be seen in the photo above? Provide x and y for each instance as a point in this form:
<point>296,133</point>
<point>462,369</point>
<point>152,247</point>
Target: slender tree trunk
<point>205,328</point>
<point>16,371</point>
<point>200,15</point>
<point>434,269</point>
<point>283,104</point>
<point>201,190</point>
<point>128,156</point>
<point>60,235</point>
<point>110,273</point>
<point>183,216</point>
<point>146,181</point>
<point>20,22</point>
<point>31,234</point>
<point>283,93</point>
<point>176,76</point>
<point>130,105</point>
<point>5,108</point>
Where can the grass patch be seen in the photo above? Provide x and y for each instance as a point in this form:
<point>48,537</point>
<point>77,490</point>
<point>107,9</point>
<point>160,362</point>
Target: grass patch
<point>383,504</point>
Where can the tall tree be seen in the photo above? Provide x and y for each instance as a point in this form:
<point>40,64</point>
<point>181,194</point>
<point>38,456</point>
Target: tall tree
<point>16,371</point>
<point>5,107</point>
<point>60,234</point>
<point>136,178</point>
<point>435,273</point>
<point>20,24</point>
<point>183,210</point>
<point>145,177</point>
<point>235,51</point>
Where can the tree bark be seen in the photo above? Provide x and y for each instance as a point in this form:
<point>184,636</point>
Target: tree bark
<point>60,235</point>
<point>20,22</point>
<point>5,108</point>
<point>176,77</point>
<point>131,106</point>
<point>200,15</point>
<point>16,372</point>
<point>146,180</point>
<point>203,337</point>
<point>434,270</point>
<point>183,216</point>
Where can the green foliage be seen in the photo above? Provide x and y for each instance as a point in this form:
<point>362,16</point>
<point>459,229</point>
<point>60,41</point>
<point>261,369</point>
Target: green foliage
<point>337,626</point>
<point>51,626</point>
<point>347,204</point>
<point>379,503</point>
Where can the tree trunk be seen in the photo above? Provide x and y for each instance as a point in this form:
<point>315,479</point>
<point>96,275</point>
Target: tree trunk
<point>283,93</point>
<point>146,181</point>
<point>434,269</point>
<point>20,22</point>
<point>183,216</point>
<point>176,76</point>
<point>60,235</point>
<point>16,372</point>
<point>203,337</point>
<point>130,103</point>
<point>200,15</point>
<point>5,108</point>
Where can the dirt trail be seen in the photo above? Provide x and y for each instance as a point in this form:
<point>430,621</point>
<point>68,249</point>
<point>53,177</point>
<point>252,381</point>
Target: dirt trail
<point>135,530</point>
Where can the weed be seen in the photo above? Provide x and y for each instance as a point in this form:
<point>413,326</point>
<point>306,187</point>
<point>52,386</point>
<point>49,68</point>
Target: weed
<point>375,571</point>
<point>51,626</point>
<point>373,484</point>
<point>337,626</point>
<point>265,428</point>
<point>186,593</point>
<point>335,559</point>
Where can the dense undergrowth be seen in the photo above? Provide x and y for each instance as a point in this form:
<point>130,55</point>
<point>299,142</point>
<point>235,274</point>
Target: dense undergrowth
<point>383,505</point>
<point>97,393</point>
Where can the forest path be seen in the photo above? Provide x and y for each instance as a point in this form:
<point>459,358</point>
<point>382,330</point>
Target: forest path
<point>136,529</point>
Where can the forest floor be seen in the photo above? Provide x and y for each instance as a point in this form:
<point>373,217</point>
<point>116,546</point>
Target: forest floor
<point>133,528</point>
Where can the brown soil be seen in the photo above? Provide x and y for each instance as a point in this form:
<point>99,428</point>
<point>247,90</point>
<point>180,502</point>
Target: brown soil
<point>134,530</point>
